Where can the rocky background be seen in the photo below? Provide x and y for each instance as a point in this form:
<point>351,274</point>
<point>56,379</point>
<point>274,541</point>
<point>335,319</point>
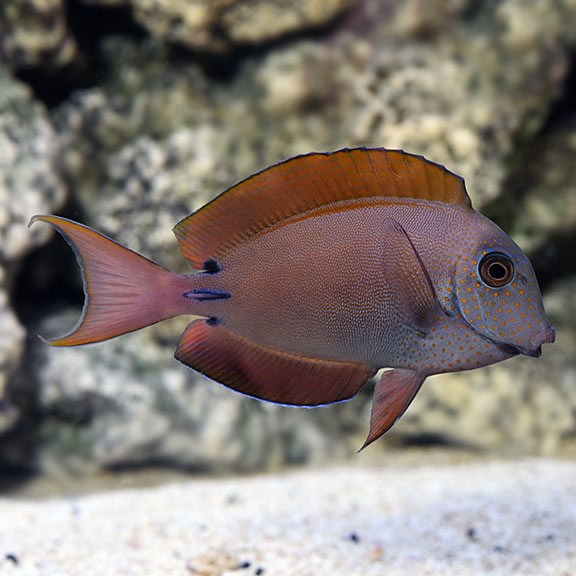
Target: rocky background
<point>130,114</point>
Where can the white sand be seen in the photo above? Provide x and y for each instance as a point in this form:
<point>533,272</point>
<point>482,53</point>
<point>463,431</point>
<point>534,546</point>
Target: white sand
<point>510,518</point>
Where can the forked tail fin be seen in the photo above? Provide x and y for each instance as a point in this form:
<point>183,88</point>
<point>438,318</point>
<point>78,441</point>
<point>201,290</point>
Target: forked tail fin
<point>123,290</point>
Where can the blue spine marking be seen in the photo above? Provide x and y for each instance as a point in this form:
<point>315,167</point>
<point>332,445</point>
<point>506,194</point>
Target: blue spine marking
<point>201,295</point>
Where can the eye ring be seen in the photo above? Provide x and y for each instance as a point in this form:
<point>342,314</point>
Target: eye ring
<point>496,269</point>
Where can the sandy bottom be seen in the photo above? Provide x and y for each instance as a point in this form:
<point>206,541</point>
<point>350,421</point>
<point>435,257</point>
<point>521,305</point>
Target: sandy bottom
<point>508,518</point>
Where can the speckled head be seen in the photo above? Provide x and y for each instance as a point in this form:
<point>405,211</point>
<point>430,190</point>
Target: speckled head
<point>497,291</point>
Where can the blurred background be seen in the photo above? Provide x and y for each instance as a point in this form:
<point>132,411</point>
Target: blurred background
<point>127,115</point>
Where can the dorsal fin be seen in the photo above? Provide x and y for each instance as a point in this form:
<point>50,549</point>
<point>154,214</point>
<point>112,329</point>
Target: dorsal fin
<point>310,182</point>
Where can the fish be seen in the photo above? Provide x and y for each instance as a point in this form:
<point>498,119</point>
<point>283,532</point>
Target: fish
<point>315,273</point>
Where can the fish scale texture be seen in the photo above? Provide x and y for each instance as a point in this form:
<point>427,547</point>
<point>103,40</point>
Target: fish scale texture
<point>322,279</point>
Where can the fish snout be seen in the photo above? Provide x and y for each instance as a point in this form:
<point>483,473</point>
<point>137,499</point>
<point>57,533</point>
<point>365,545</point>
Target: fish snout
<point>546,336</point>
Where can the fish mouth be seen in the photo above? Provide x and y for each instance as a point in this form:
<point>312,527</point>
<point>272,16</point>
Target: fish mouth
<point>545,336</point>
<point>533,352</point>
<point>517,350</point>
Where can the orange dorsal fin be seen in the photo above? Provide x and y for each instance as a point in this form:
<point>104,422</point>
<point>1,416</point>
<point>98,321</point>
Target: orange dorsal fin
<point>310,182</point>
<point>265,373</point>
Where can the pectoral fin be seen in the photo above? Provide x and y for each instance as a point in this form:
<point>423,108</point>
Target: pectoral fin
<point>407,277</point>
<point>392,396</point>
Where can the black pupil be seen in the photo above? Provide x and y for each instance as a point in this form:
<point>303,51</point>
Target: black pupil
<point>497,271</point>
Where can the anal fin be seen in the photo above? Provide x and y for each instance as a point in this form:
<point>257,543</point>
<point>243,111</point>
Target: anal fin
<point>393,394</point>
<point>267,374</point>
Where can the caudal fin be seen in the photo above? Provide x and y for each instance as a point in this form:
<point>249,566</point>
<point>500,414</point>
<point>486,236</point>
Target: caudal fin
<point>123,290</point>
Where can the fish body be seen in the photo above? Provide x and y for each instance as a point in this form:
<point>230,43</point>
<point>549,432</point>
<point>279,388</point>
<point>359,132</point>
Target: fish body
<point>335,299</point>
<point>318,271</point>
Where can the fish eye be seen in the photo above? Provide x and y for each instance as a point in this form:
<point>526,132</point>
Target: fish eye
<point>496,269</point>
